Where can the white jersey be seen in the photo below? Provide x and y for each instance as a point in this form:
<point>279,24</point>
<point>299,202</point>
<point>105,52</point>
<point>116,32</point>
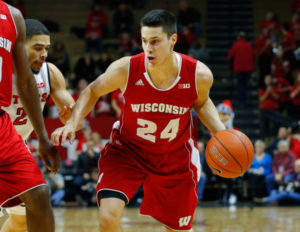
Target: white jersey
<point>16,110</point>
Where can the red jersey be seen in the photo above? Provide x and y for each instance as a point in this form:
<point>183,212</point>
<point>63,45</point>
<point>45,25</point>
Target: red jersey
<point>270,103</point>
<point>296,99</point>
<point>158,120</point>
<point>295,147</point>
<point>283,83</point>
<point>8,36</point>
<point>243,55</point>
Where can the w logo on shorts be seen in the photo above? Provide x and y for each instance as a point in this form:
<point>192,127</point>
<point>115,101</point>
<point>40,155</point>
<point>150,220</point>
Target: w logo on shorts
<point>184,221</point>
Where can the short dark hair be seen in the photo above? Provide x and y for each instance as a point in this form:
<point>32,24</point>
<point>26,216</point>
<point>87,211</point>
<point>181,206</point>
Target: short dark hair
<point>35,27</point>
<point>160,17</point>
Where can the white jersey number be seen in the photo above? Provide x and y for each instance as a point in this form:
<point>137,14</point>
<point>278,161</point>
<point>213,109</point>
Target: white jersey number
<point>148,128</point>
<point>1,68</point>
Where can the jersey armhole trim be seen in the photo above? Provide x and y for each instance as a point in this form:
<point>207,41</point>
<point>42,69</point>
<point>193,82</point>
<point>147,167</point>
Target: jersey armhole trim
<point>128,75</point>
<point>196,86</point>
<point>49,79</point>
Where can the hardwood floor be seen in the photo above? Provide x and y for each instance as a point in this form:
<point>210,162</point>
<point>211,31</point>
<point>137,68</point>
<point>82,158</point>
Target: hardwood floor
<point>215,219</point>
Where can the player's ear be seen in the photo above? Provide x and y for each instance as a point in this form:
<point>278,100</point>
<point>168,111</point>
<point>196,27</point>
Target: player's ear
<point>173,39</point>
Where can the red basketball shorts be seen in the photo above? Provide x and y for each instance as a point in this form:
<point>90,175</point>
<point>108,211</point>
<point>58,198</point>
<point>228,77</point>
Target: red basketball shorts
<point>19,171</point>
<point>169,180</point>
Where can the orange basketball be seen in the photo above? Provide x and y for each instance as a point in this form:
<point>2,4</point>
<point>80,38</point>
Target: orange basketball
<point>229,153</point>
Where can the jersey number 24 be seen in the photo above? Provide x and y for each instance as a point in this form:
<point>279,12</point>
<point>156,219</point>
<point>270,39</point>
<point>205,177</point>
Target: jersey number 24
<point>148,128</point>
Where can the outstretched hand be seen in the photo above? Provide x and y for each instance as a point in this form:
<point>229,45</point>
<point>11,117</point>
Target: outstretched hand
<point>59,136</point>
<point>50,156</point>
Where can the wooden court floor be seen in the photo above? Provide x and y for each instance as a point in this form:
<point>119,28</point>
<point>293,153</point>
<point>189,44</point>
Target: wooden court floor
<point>214,219</point>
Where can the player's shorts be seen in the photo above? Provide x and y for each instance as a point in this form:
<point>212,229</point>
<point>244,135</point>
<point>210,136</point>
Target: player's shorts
<point>169,180</point>
<point>19,171</point>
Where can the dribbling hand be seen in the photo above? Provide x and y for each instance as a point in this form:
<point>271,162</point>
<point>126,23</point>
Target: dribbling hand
<point>50,155</point>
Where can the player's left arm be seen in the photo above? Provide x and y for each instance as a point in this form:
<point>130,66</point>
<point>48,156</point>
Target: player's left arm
<point>59,93</point>
<point>204,107</point>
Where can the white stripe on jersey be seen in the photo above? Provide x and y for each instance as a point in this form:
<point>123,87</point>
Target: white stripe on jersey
<point>16,110</point>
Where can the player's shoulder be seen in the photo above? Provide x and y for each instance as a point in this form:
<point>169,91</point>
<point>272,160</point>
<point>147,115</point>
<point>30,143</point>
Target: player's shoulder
<point>55,74</point>
<point>15,13</point>
<point>51,67</point>
<point>120,66</point>
<point>53,70</point>
<point>203,73</point>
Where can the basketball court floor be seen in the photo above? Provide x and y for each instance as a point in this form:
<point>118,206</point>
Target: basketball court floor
<point>207,219</point>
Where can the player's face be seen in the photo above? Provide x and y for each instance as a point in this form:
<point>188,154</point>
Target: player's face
<point>37,51</point>
<point>156,44</point>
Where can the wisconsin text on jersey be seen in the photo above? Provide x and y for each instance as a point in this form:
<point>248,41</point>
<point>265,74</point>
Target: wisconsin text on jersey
<point>159,107</point>
<point>5,43</point>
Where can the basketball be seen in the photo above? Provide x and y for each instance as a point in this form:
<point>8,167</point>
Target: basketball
<point>229,153</point>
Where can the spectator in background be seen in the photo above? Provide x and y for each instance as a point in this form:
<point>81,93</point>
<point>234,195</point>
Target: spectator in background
<point>185,38</point>
<point>88,189</point>
<point>268,98</point>
<point>242,55</point>
<point>226,114</point>
<point>288,44</point>
<point>60,57</point>
<point>284,88</point>
<point>288,192</point>
<point>125,43</point>
<point>280,67</point>
<point>85,68</point>
<point>103,62</point>
<point>137,42</point>
<point>259,169</point>
<point>271,24</point>
<point>82,143</point>
<point>295,97</point>
<point>264,54</point>
<point>82,84</point>
<point>117,102</point>
<point>103,106</point>
<point>87,161</point>
<point>96,25</point>
<point>295,26</point>
<point>123,20</point>
<point>197,52</point>
<point>56,185</point>
<point>97,140</point>
<point>294,140</point>
<point>281,135</point>
<point>282,167</point>
<point>295,6</point>
<point>190,17</point>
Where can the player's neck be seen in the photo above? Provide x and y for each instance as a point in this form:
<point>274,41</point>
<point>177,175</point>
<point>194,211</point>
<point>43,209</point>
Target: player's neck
<point>164,75</point>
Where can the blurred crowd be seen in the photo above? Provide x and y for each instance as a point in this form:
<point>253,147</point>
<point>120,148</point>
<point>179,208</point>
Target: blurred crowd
<point>274,176</point>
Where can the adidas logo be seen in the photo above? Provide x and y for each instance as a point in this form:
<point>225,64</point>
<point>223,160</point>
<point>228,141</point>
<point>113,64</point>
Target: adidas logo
<point>139,82</point>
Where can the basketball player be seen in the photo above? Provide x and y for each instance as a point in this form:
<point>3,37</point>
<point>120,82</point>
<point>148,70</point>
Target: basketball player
<point>20,177</point>
<point>50,81</point>
<point>152,143</point>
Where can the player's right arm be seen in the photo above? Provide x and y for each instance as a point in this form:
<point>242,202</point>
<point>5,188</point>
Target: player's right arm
<point>115,77</point>
<point>29,94</point>
<point>204,107</point>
